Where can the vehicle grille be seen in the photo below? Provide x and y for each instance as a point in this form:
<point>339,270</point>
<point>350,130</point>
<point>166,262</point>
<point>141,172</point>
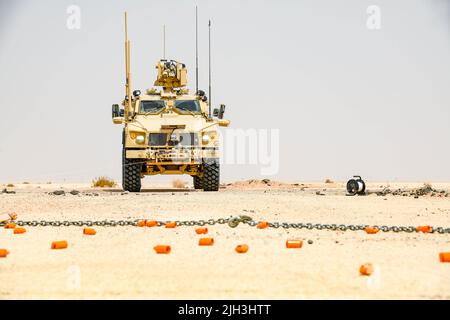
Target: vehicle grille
<point>182,139</point>
<point>157,139</point>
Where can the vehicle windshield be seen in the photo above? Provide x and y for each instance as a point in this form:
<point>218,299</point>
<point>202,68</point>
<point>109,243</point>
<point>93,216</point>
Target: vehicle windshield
<point>151,106</point>
<point>187,105</point>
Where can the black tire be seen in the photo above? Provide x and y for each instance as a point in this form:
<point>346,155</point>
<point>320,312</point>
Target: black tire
<point>131,174</point>
<point>211,175</point>
<point>198,182</point>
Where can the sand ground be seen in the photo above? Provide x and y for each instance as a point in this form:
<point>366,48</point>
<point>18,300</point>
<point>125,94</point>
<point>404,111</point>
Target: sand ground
<point>119,262</point>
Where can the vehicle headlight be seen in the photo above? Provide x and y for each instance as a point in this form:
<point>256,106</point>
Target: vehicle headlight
<point>206,139</point>
<point>140,139</point>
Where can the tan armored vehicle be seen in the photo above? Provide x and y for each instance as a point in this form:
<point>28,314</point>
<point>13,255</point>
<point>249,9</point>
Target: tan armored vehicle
<point>168,130</point>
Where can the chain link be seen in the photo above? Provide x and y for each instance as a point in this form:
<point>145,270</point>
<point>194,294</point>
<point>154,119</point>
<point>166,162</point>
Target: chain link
<point>232,222</point>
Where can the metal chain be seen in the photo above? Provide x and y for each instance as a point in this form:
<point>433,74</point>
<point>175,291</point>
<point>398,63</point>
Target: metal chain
<point>232,222</point>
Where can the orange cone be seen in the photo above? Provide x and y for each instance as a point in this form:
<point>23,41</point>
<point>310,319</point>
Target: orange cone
<point>293,244</point>
<point>141,223</point>
<point>444,256</point>
<point>19,230</point>
<point>162,249</point>
<point>59,244</point>
<point>201,230</point>
<point>151,223</point>
<point>10,225</point>
<point>3,253</point>
<point>205,241</point>
<point>262,225</point>
<point>371,230</point>
<point>171,224</point>
<point>242,248</point>
<point>366,269</point>
<point>89,231</point>
<point>424,229</point>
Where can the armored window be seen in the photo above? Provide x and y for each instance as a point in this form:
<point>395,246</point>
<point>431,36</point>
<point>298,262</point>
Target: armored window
<point>152,106</point>
<point>187,105</point>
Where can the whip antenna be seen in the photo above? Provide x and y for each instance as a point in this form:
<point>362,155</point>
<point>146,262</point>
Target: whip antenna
<point>196,51</point>
<point>209,58</point>
<point>164,42</point>
<point>127,72</point>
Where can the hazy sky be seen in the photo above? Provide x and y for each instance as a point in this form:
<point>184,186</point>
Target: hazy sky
<point>347,100</point>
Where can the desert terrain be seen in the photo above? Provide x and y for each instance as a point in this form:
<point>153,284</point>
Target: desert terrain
<point>120,263</point>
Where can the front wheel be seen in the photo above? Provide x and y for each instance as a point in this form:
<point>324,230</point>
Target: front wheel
<point>198,182</point>
<point>131,174</point>
<point>211,174</point>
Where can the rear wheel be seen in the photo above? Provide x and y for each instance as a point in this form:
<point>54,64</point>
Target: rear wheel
<point>198,182</point>
<point>211,175</point>
<point>131,174</point>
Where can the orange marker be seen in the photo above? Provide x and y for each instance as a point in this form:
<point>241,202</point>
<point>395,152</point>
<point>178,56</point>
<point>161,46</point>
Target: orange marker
<point>10,225</point>
<point>59,244</point>
<point>242,248</point>
<point>171,225</point>
<point>201,230</point>
<point>3,253</point>
<point>162,249</point>
<point>424,229</point>
<point>291,244</point>
<point>205,241</point>
<point>141,223</point>
<point>89,231</point>
<point>262,225</point>
<point>19,230</point>
<point>366,269</point>
<point>444,256</point>
<point>371,230</point>
<point>151,223</point>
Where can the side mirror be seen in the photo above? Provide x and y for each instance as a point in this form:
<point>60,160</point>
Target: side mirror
<point>224,123</point>
<point>118,120</point>
<point>115,111</point>
<point>216,112</point>
<point>117,114</point>
<point>221,111</point>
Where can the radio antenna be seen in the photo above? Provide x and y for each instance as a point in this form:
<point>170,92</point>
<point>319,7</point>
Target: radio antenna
<point>196,51</point>
<point>209,59</point>
<point>164,42</point>
<point>127,72</point>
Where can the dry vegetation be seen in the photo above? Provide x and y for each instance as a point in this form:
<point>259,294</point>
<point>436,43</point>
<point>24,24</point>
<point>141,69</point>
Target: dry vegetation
<point>329,181</point>
<point>179,184</point>
<point>102,182</point>
<point>10,185</point>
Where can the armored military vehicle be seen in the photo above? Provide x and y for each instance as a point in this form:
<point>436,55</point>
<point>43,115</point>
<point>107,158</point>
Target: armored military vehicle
<point>168,130</point>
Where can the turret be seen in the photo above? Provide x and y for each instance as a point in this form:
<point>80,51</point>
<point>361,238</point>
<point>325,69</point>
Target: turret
<point>171,74</point>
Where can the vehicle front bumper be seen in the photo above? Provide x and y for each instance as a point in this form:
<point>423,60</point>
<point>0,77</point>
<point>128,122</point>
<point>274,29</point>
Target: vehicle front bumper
<point>173,155</point>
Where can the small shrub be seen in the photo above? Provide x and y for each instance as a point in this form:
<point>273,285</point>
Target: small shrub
<point>179,184</point>
<point>427,186</point>
<point>10,185</point>
<point>102,182</point>
<point>329,181</point>
<point>26,182</point>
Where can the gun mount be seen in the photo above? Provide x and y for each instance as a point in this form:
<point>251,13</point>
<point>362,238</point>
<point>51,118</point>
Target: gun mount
<point>171,74</point>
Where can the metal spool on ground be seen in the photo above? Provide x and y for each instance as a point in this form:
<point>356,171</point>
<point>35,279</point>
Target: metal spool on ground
<point>356,186</point>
